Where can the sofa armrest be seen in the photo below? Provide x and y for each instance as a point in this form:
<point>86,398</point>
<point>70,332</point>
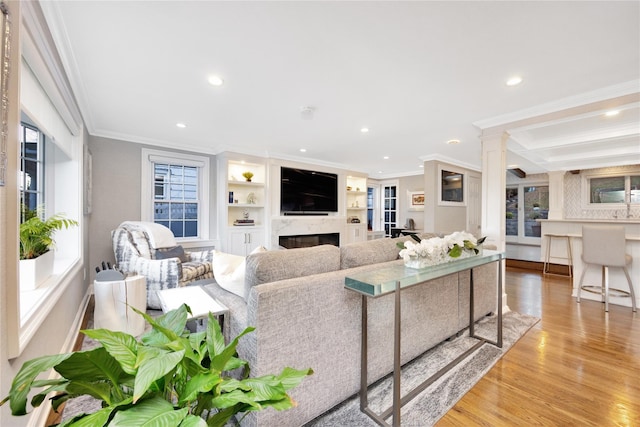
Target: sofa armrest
<point>160,274</point>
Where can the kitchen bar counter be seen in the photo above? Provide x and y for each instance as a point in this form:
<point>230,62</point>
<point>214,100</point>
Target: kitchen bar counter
<point>573,228</point>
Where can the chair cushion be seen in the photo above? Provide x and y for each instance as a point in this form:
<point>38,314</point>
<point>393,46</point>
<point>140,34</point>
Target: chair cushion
<point>173,252</point>
<point>195,270</point>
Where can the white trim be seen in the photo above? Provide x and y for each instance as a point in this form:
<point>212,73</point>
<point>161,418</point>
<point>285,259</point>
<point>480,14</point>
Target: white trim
<point>451,161</point>
<point>585,194</point>
<point>149,156</point>
<point>609,92</point>
<point>39,50</point>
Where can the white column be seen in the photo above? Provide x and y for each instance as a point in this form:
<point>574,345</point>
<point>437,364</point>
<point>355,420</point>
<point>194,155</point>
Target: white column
<point>556,194</point>
<point>494,182</point>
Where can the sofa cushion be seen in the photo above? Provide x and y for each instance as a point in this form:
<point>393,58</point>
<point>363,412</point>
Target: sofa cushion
<point>271,266</point>
<point>173,252</point>
<point>229,270</point>
<point>369,252</point>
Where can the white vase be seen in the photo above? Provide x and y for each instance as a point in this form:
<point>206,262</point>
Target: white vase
<point>33,272</point>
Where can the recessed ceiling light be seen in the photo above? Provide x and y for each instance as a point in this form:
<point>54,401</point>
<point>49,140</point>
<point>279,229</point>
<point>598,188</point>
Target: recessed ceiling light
<point>364,130</point>
<point>386,157</point>
<point>181,125</point>
<point>612,113</point>
<point>420,166</point>
<point>303,150</point>
<point>215,80</point>
<point>453,141</point>
<point>514,81</point>
<point>379,171</point>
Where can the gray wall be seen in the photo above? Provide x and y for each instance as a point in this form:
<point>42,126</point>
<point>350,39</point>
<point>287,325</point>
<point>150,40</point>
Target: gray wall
<point>410,183</point>
<point>443,219</point>
<point>116,193</point>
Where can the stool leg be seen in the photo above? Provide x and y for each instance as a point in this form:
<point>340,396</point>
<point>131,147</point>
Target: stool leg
<point>605,273</point>
<point>570,260</point>
<point>547,255</point>
<point>584,270</point>
<point>631,292</point>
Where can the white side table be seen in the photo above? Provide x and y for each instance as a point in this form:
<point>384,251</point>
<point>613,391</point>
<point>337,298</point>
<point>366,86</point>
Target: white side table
<point>114,300</point>
<point>200,302</point>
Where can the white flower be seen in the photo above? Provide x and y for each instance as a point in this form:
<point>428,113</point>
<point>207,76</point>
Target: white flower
<point>440,248</point>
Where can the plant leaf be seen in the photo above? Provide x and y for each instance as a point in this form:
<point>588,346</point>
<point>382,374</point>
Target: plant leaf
<point>290,377</point>
<point>23,381</point>
<point>91,365</point>
<point>153,364</point>
<point>455,251</point>
<point>193,421</point>
<point>165,328</point>
<point>99,390</point>
<point>227,400</point>
<point>155,412</point>
<point>219,361</point>
<point>122,347</point>
<point>265,388</point>
<point>201,383</point>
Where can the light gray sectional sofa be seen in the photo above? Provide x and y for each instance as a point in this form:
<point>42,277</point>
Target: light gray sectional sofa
<point>304,317</point>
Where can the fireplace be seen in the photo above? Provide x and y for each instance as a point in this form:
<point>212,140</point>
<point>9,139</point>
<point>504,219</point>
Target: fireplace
<point>307,240</point>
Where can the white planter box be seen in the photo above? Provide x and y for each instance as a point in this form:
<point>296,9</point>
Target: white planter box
<point>33,272</point>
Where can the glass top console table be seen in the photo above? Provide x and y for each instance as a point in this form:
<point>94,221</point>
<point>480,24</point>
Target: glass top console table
<point>373,284</point>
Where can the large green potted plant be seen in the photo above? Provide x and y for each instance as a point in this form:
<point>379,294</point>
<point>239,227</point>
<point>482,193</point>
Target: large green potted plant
<point>36,244</point>
<point>170,377</point>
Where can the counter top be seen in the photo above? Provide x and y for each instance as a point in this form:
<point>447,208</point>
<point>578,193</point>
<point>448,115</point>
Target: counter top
<point>601,221</point>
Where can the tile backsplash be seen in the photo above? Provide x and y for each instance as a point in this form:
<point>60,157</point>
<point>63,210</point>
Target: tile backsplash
<point>573,207</point>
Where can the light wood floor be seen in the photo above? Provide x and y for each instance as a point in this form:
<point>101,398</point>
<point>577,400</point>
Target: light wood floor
<point>579,366</point>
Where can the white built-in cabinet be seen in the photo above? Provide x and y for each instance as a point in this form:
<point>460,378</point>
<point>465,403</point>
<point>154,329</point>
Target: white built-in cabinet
<point>242,220</point>
<point>356,202</point>
<point>242,242</point>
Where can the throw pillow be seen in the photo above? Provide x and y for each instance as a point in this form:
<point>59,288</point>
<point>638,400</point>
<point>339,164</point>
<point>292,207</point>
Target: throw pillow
<point>174,252</point>
<point>228,270</point>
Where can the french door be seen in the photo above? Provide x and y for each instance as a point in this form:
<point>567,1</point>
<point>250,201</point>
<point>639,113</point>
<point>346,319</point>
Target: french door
<point>525,204</point>
<point>389,207</point>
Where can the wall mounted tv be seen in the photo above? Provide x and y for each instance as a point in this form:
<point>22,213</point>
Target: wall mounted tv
<point>304,191</point>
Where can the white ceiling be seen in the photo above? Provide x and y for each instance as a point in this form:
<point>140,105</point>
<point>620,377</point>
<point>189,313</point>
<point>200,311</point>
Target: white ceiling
<point>417,74</point>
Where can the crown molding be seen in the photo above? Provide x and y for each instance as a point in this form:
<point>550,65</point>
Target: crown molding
<point>610,92</point>
<point>451,161</point>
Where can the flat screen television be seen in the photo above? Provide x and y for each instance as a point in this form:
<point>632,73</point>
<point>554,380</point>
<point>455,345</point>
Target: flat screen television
<point>303,191</point>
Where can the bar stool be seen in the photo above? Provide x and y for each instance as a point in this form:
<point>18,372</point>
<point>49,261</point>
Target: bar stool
<point>547,256</point>
<point>604,246</point>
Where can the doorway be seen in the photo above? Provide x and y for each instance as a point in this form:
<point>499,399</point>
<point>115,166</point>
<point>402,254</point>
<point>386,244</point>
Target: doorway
<point>525,205</point>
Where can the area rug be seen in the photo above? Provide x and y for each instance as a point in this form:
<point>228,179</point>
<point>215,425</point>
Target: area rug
<point>432,403</point>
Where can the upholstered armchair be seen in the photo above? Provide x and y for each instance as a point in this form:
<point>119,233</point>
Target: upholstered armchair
<point>150,250</point>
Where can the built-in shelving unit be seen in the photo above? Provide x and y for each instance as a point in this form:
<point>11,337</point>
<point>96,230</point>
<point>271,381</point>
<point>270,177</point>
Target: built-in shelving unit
<point>356,203</point>
<point>245,200</point>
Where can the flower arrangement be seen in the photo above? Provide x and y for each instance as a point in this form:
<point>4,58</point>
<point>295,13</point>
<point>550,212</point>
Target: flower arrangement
<point>438,250</point>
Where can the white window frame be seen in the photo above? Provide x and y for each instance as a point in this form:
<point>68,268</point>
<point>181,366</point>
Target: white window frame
<point>149,157</point>
<point>586,190</point>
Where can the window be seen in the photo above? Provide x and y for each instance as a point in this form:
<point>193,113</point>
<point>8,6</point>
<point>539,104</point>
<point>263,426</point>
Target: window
<point>389,206</point>
<point>175,192</point>
<point>175,203</point>
<point>31,167</point>
<point>614,189</point>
